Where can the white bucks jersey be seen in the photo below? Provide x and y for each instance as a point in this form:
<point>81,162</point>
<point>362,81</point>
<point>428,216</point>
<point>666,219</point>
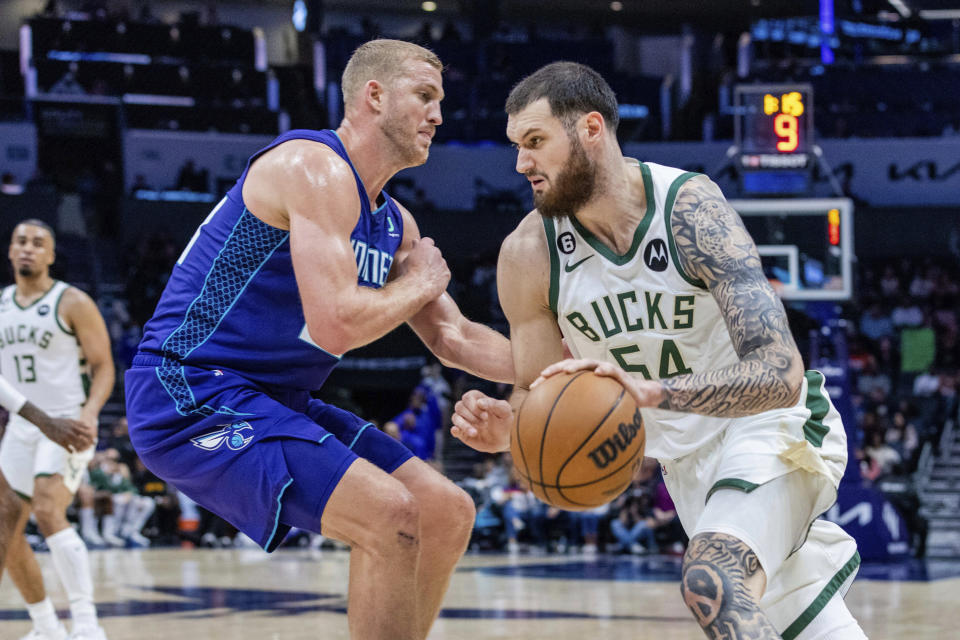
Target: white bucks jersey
<point>640,310</point>
<point>39,355</point>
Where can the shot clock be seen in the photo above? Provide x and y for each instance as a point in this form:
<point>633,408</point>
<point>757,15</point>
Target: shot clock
<point>774,135</point>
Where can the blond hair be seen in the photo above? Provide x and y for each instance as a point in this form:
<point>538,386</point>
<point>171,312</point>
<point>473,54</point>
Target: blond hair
<point>382,60</point>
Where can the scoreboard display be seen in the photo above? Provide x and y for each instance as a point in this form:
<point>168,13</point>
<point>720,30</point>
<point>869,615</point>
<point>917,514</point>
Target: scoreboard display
<point>774,135</point>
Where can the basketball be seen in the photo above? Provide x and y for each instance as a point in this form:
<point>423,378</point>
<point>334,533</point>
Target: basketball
<point>578,440</point>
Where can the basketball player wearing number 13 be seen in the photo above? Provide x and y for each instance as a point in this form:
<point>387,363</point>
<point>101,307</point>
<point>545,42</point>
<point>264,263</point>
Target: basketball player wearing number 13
<point>46,327</point>
<point>650,277</point>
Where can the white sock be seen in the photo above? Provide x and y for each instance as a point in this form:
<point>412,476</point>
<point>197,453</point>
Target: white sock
<point>88,522</point>
<point>72,563</point>
<point>139,511</point>
<point>44,616</point>
<point>110,525</point>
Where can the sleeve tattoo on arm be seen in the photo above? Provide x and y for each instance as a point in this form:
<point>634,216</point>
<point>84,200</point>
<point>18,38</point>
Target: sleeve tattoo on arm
<point>714,246</point>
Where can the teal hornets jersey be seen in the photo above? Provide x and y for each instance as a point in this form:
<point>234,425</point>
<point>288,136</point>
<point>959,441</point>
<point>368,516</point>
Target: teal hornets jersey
<point>232,301</point>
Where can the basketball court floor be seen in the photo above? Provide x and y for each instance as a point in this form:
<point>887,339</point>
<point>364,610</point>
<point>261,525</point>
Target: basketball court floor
<point>299,594</point>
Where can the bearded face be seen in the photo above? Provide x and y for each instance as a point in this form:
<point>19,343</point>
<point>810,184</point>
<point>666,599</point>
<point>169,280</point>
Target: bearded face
<point>572,187</point>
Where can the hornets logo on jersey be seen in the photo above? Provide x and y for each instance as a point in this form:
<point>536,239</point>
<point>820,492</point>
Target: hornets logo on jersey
<point>236,436</point>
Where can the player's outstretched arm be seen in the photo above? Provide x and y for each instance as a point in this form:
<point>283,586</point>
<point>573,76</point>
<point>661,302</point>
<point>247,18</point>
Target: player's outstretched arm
<point>83,317</point>
<point>455,340</point>
<point>715,247</point>
<point>319,195</point>
<point>485,423</point>
<point>70,434</point>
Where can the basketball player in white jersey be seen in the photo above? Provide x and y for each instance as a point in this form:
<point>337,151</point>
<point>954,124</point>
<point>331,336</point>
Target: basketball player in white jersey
<point>46,328</point>
<point>650,277</point>
<point>64,431</point>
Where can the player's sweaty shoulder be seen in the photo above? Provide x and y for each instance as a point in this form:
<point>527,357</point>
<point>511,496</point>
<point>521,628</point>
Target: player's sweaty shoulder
<point>524,264</point>
<point>294,177</point>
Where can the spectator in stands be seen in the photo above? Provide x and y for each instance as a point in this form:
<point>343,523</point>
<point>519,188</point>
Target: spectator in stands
<point>632,526</point>
<point>419,423</point>
<point>163,529</point>
<point>907,313</point>
<point>433,381</point>
<point>889,283</point>
<point>945,316</point>
<point>561,529</point>
<point>9,185</point>
<point>521,512</point>
<point>888,358</point>
<point>87,500</point>
<point>191,178</point>
<point>923,284</point>
<point>870,379</point>
<point>119,439</point>
<point>392,429</point>
<point>883,458</point>
<point>902,438</point>
<point>590,527</point>
<point>926,384</point>
<point>411,436</point>
<point>874,324</point>
<point>110,476</point>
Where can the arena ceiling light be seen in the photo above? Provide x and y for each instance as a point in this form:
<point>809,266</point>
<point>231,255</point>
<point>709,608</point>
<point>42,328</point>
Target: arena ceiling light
<point>429,5</point>
<point>616,6</point>
<point>940,14</point>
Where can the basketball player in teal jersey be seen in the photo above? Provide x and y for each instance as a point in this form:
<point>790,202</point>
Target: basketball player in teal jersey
<point>304,259</point>
<point>650,277</point>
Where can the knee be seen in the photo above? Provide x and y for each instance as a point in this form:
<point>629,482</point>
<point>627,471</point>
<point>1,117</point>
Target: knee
<point>452,508</point>
<point>10,505</point>
<point>49,515</point>
<point>396,525</point>
<point>720,572</point>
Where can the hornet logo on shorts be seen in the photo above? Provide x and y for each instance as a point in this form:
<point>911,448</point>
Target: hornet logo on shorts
<point>236,436</point>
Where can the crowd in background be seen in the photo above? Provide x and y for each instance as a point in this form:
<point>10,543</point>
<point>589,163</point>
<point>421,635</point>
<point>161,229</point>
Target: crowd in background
<point>904,362</point>
<point>905,358</point>
<point>903,327</point>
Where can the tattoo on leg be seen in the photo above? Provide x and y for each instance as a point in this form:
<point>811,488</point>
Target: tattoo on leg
<point>718,570</point>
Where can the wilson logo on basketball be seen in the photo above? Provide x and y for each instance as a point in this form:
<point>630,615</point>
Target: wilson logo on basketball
<point>613,446</point>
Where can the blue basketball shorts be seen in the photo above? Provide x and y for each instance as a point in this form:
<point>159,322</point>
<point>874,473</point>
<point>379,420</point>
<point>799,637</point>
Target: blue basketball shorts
<point>263,462</point>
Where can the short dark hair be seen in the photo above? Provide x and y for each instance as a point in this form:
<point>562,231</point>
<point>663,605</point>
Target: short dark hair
<point>36,222</point>
<point>571,88</point>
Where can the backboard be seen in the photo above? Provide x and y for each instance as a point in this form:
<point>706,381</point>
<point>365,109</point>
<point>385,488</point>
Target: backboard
<point>806,244</point>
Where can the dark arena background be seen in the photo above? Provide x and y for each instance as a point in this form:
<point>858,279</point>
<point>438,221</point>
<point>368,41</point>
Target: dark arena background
<point>832,126</point>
